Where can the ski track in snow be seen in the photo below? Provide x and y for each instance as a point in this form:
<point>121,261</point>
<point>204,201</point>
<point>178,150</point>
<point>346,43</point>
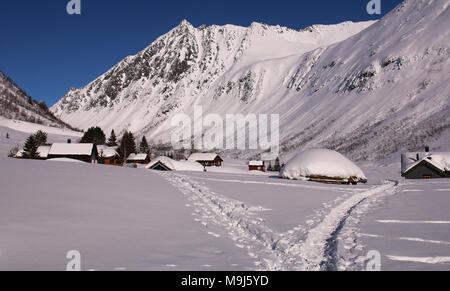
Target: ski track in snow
<point>310,247</point>
<point>425,260</point>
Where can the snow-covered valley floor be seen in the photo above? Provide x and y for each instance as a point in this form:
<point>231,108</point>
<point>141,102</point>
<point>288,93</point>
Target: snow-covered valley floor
<point>224,219</point>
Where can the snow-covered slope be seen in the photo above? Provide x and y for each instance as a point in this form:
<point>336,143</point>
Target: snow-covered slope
<point>16,104</point>
<point>189,65</point>
<point>379,91</point>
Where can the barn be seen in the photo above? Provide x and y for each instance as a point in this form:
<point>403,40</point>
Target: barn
<point>256,166</point>
<point>206,159</point>
<point>425,165</point>
<point>77,151</point>
<point>142,159</point>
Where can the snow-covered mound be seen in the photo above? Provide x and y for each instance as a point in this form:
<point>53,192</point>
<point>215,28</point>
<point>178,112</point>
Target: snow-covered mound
<point>176,165</point>
<point>322,163</point>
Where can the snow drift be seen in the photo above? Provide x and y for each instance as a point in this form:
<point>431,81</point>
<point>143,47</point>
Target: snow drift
<point>322,164</point>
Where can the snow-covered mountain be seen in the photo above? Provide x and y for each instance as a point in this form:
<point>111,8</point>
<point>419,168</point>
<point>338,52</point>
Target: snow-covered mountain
<point>364,89</point>
<point>16,104</point>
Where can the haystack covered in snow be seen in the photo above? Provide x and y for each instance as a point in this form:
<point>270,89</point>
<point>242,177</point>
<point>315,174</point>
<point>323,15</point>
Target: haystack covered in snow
<point>323,166</point>
<point>167,164</point>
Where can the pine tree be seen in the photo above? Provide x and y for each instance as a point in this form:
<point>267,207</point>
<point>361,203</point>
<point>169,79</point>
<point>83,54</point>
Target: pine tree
<point>30,148</point>
<point>127,145</point>
<point>143,146</point>
<point>277,166</point>
<point>41,138</point>
<point>94,135</point>
<point>112,141</point>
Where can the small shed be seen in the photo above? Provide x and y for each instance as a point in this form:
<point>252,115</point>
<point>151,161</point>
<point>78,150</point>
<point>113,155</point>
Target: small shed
<point>256,166</point>
<point>142,159</point>
<point>85,152</point>
<point>207,159</point>
<point>426,165</point>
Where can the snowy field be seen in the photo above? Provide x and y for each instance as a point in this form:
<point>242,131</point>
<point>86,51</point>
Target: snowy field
<point>224,219</point>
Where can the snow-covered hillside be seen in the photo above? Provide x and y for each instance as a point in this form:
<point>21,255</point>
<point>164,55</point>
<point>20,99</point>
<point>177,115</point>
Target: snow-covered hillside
<point>186,66</point>
<point>382,89</point>
<point>19,131</point>
<point>16,104</point>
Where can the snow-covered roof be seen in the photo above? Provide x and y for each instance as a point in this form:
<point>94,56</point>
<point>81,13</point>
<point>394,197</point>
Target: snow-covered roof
<point>438,160</point>
<point>106,151</point>
<point>20,153</point>
<point>203,157</point>
<point>71,149</point>
<point>256,163</point>
<point>321,162</point>
<point>43,151</point>
<point>177,165</point>
<point>137,157</point>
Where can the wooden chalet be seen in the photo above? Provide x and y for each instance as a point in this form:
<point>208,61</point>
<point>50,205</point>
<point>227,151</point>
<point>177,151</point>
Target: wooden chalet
<point>108,155</point>
<point>425,165</point>
<point>142,159</point>
<point>256,166</point>
<point>206,159</point>
<point>78,151</point>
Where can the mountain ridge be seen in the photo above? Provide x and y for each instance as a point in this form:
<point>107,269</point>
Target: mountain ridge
<point>368,92</point>
<point>15,103</point>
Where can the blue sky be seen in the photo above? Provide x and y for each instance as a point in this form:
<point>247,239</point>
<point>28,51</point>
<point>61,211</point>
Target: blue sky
<point>47,52</point>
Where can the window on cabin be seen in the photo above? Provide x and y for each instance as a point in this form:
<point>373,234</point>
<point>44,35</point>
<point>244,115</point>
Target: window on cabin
<point>427,177</point>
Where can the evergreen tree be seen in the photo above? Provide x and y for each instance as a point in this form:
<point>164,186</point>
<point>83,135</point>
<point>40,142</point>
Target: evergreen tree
<point>41,138</point>
<point>94,135</point>
<point>127,145</point>
<point>143,146</point>
<point>277,166</point>
<point>30,148</point>
<point>112,141</point>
